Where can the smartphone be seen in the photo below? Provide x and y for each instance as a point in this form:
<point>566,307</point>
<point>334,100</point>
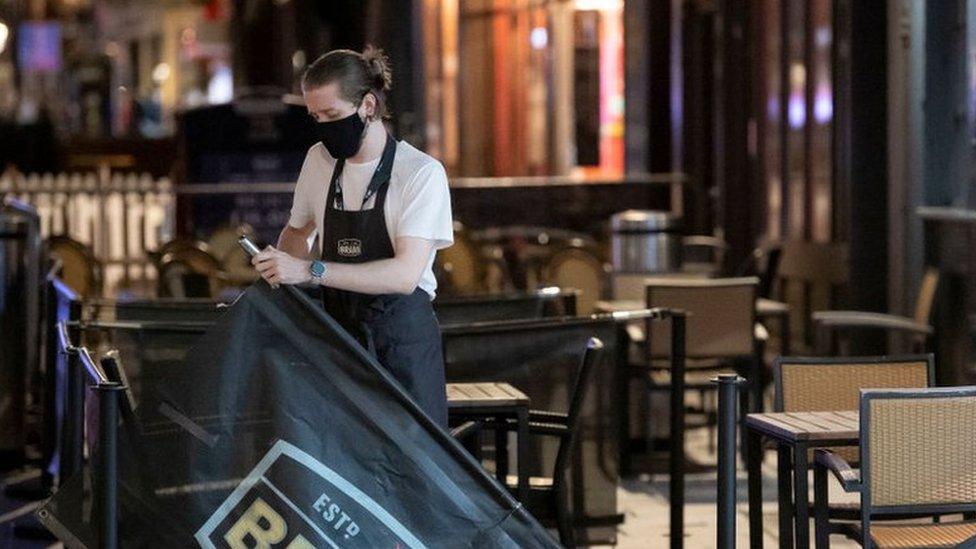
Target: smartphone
<point>249,247</point>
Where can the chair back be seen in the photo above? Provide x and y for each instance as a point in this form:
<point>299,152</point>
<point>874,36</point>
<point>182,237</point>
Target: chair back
<point>80,270</point>
<point>234,261</point>
<point>703,253</point>
<point>581,269</point>
<point>721,315</point>
<point>926,296</point>
<point>592,355</point>
<point>821,384</point>
<point>812,276</point>
<point>176,245</point>
<point>189,272</point>
<point>460,268</point>
<point>918,449</point>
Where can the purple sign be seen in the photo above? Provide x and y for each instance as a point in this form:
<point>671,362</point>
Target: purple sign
<point>39,46</point>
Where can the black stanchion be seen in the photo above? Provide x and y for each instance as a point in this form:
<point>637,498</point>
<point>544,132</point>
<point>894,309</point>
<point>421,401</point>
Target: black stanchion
<point>728,395</point>
<point>74,420</point>
<point>105,462</point>
<point>677,462</point>
<point>72,447</point>
<point>106,466</point>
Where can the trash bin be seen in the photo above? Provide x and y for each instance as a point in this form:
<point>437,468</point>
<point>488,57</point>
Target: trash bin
<point>20,284</point>
<point>645,241</point>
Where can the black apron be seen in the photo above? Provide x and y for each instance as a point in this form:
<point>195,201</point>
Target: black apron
<point>401,331</point>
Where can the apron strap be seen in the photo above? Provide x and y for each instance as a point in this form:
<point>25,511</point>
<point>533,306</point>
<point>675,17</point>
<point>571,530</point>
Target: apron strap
<point>382,175</point>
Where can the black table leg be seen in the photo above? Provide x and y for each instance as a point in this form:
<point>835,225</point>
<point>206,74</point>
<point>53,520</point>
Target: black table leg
<point>801,498</point>
<point>501,451</point>
<point>522,453</point>
<point>784,489</point>
<point>754,470</point>
<point>676,472</point>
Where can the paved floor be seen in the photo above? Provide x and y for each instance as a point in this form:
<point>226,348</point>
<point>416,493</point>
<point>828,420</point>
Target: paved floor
<point>644,502</point>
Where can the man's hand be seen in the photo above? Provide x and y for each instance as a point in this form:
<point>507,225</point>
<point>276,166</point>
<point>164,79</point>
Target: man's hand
<point>277,267</point>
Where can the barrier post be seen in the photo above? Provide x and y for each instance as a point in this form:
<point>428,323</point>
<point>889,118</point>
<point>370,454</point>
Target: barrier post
<point>728,406</point>
<point>106,464</point>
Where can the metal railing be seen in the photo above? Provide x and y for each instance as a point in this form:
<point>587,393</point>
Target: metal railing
<point>118,215</point>
<point>105,467</point>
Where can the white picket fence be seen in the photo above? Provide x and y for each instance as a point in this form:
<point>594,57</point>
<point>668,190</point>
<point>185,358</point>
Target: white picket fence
<point>119,216</point>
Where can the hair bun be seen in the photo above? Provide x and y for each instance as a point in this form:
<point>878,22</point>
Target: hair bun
<point>378,64</point>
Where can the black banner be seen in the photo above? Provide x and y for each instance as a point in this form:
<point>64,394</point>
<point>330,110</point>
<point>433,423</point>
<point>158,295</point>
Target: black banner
<point>278,430</point>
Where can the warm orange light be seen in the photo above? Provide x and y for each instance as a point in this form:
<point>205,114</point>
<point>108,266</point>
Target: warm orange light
<point>598,5</point>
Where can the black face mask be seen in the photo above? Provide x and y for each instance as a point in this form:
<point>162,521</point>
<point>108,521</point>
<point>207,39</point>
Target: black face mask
<point>342,137</point>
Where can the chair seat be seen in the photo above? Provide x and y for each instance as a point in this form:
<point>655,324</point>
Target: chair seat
<point>852,512</point>
<point>535,483</point>
<point>904,536</point>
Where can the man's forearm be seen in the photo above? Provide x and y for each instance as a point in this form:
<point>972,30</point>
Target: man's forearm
<point>385,276</point>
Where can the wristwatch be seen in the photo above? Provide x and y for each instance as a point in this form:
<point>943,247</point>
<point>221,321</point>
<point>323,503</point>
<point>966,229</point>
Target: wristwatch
<point>317,270</point>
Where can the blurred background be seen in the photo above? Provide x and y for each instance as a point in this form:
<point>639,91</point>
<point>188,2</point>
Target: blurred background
<point>138,129</point>
<point>824,147</point>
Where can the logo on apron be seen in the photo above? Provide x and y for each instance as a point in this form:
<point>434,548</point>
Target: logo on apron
<point>350,247</point>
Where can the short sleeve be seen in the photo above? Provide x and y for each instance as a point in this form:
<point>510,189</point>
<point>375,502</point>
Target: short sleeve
<point>426,209</point>
<point>301,206</point>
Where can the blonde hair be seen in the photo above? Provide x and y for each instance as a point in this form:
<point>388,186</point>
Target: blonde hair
<point>357,74</point>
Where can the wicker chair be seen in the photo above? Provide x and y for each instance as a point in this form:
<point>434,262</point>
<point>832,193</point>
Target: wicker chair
<point>811,276</point>
<point>721,335</point>
<point>827,324</point>
<point>918,455</point>
<point>822,384</point>
<point>833,384</point>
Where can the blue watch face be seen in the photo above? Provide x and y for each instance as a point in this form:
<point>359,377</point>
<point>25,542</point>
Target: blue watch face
<point>317,268</point>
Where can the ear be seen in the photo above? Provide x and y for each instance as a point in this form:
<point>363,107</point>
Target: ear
<point>369,106</point>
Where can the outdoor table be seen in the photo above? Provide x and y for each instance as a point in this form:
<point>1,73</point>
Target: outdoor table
<point>794,433</point>
<point>500,402</point>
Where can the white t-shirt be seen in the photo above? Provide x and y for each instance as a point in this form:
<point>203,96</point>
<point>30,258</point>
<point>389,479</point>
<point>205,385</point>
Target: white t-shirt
<point>418,202</point>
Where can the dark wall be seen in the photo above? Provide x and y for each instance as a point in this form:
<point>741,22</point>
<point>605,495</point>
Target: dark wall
<point>869,155</point>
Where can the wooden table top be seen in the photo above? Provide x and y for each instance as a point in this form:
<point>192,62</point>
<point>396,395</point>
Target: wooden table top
<point>473,395</point>
<point>807,426</point>
<point>764,307</point>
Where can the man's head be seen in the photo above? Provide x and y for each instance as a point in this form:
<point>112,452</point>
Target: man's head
<point>343,82</point>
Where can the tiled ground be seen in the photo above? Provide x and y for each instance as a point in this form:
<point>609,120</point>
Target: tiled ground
<point>645,504</point>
